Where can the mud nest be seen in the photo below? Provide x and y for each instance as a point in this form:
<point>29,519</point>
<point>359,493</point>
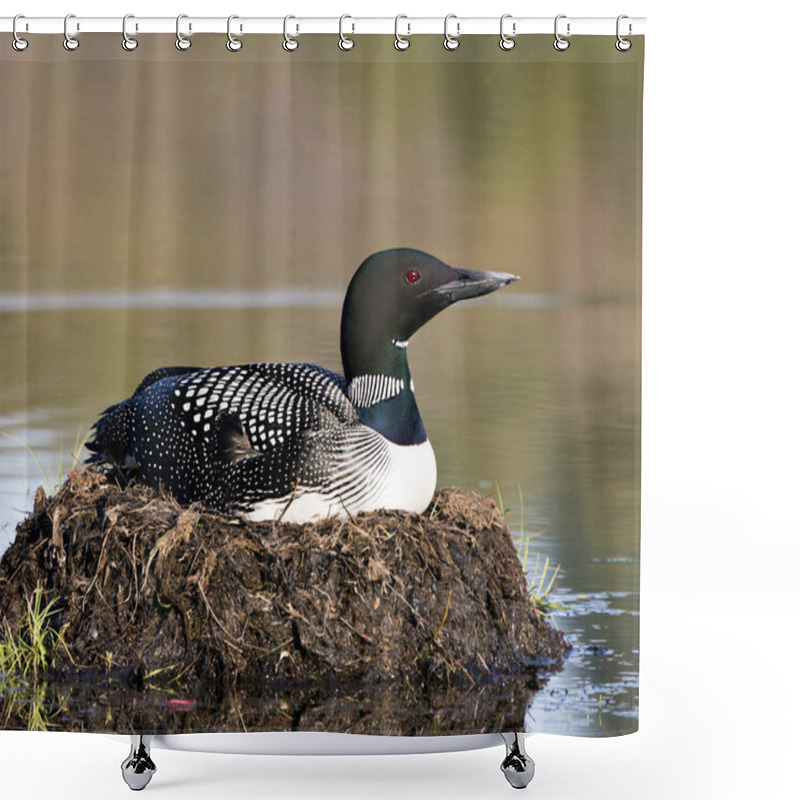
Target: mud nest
<point>145,588</point>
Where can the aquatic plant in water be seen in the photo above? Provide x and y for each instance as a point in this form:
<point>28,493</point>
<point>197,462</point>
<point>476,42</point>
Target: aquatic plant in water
<point>542,578</point>
<point>25,656</point>
<point>26,653</point>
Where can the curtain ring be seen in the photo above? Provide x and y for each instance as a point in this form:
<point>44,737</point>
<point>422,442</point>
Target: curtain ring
<point>234,43</point>
<point>507,42</point>
<point>290,43</point>
<point>182,42</point>
<point>345,43</point>
<point>18,43</point>
<point>451,42</point>
<point>128,42</point>
<point>70,42</point>
<point>560,42</point>
<point>623,45</point>
<point>400,42</point>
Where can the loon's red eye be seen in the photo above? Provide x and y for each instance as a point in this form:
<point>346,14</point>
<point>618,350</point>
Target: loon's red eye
<point>412,276</point>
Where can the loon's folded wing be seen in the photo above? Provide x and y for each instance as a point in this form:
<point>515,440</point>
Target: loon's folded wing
<point>260,430</point>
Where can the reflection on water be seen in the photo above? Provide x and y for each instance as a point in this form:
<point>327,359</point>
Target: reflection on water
<point>104,703</point>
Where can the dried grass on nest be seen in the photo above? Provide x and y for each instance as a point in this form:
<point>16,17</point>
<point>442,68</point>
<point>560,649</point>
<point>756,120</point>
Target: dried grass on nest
<point>146,587</point>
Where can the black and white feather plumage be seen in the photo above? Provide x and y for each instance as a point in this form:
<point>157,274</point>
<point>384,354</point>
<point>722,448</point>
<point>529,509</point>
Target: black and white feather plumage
<point>255,438</point>
<point>296,441</point>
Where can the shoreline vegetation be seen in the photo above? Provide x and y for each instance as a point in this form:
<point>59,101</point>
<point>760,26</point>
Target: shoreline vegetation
<point>140,615</point>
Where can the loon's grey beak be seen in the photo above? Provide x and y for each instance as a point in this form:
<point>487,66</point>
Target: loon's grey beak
<point>472,283</point>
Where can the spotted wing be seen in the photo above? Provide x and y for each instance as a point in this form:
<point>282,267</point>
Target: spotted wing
<point>264,429</point>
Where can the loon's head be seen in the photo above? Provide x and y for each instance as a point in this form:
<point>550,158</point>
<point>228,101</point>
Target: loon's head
<point>395,292</point>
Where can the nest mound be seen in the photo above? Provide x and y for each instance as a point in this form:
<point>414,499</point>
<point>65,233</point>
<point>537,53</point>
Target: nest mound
<point>147,586</point>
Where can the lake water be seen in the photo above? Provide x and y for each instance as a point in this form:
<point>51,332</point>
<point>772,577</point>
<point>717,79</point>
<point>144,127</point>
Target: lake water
<point>511,400</point>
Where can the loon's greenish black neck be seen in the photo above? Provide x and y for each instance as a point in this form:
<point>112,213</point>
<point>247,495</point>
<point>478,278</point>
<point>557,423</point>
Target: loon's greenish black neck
<point>397,418</point>
<point>382,392</point>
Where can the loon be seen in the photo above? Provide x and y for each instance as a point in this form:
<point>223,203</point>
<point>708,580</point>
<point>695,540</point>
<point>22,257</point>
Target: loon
<point>297,442</point>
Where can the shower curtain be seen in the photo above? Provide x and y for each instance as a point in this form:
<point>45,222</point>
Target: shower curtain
<point>207,207</point>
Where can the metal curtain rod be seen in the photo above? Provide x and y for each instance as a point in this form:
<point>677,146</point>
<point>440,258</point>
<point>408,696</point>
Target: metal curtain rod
<point>515,26</point>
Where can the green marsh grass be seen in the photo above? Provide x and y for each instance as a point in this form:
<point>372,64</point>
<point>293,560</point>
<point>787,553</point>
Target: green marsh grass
<point>542,584</point>
<point>543,577</point>
<point>25,655</point>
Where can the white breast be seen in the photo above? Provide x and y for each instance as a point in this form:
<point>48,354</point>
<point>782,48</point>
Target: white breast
<point>410,481</point>
<point>405,482</point>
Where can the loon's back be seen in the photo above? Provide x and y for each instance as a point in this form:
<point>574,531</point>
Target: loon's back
<point>267,440</point>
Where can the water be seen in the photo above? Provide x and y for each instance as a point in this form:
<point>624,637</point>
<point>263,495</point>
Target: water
<point>510,403</point>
